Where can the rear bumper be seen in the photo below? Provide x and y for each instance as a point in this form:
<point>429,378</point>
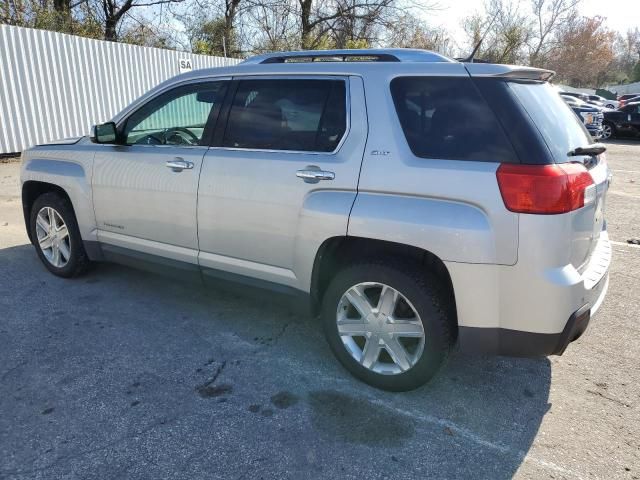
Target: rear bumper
<point>536,315</point>
<point>515,343</point>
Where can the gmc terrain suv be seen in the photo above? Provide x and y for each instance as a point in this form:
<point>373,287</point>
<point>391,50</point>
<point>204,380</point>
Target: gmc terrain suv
<point>416,202</point>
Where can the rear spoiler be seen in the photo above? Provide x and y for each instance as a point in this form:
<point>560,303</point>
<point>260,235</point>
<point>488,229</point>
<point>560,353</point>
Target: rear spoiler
<point>515,72</point>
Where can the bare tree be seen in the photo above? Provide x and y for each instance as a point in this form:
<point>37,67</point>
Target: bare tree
<point>411,32</point>
<point>505,31</point>
<point>271,26</point>
<point>112,12</point>
<point>342,18</point>
<point>550,15</point>
<point>627,49</point>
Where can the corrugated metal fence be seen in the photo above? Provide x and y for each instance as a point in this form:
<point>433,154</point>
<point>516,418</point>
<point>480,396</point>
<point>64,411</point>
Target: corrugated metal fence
<point>54,85</point>
<point>624,89</point>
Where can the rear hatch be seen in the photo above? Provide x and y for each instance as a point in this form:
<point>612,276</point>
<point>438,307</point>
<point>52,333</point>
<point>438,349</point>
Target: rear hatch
<point>563,133</point>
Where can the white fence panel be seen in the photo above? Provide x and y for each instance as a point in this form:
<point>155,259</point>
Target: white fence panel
<point>54,85</point>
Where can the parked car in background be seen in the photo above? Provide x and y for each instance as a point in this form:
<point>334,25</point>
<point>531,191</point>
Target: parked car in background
<point>623,122</point>
<point>627,98</point>
<point>583,97</point>
<point>630,100</point>
<point>613,104</point>
<point>590,115</point>
<point>579,96</point>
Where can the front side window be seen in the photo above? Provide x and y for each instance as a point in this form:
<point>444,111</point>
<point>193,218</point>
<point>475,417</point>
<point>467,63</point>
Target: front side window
<point>287,114</point>
<point>447,118</point>
<point>177,117</point>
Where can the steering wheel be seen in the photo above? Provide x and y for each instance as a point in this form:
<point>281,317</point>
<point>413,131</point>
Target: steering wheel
<point>184,134</point>
<point>149,139</point>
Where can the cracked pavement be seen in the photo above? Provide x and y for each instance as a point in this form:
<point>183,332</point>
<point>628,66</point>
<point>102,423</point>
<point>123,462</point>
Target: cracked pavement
<point>125,374</point>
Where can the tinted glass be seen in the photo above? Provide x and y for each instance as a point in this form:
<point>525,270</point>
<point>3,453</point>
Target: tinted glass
<point>177,117</point>
<point>448,118</point>
<point>559,126</point>
<point>303,115</point>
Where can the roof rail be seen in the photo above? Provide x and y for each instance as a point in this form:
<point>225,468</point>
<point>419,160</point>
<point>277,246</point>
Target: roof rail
<point>353,55</point>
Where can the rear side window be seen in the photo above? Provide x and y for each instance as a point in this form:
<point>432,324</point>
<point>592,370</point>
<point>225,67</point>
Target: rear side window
<point>300,115</point>
<point>559,126</point>
<point>447,118</point>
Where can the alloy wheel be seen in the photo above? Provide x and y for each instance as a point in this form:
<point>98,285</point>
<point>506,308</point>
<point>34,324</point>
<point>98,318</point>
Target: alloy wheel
<point>53,237</point>
<point>607,131</point>
<point>380,328</point>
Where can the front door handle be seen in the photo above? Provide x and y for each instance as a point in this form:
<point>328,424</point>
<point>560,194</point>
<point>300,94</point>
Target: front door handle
<point>179,164</point>
<point>313,174</point>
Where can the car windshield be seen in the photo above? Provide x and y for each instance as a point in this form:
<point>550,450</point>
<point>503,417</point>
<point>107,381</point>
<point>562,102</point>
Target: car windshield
<point>559,126</point>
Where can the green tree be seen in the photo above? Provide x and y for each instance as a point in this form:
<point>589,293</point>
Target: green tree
<point>635,73</point>
<point>209,38</point>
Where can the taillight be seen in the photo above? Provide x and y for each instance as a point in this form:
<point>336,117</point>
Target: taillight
<point>545,189</point>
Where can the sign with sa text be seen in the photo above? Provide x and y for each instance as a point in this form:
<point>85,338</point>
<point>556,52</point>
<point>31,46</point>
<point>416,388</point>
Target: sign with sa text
<point>185,65</point>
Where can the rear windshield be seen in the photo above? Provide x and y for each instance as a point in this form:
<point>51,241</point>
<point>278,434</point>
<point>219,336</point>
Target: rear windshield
<point>559,126</point>
<point>447,118</point>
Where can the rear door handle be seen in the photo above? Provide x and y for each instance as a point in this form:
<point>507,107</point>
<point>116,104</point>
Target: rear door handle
<point>313,174</point>
<point>179,164</point>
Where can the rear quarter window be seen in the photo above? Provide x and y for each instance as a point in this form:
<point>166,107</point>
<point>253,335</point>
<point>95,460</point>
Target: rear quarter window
<point>447,118</point>
<point>560,128</point>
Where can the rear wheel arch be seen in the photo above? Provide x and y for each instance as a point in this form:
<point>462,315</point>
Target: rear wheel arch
<point>33,189</point>
<point>337,253</point>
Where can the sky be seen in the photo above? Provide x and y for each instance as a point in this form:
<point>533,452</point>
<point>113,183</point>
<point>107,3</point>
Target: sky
<point>621,14</point>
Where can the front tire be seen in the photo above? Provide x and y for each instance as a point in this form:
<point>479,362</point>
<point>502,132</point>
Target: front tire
<point>388,323</point>
<point>55,234</point>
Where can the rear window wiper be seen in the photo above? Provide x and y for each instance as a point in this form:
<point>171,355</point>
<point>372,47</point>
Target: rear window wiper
<point>594,149</point>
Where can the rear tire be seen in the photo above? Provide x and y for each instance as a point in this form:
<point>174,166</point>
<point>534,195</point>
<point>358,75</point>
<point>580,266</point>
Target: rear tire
<point>420,299</point>
<point>56,236</point>
<point>608,131</point>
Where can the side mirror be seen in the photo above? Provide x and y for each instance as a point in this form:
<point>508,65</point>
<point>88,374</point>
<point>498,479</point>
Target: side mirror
<point>104,133</point>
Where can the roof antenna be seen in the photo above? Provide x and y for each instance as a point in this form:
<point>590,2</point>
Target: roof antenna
<point>469,59</point>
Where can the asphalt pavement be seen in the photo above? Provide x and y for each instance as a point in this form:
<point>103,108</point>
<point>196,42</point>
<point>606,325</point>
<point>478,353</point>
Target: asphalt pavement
<point>125,374</point>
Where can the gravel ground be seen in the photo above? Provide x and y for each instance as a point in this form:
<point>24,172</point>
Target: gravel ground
<point>123,374</point>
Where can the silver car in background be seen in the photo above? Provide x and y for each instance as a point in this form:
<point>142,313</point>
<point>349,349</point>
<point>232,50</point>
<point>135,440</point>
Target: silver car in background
<point>415,203</point>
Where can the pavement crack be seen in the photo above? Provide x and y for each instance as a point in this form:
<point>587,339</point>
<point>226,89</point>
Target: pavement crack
<point>216,374</point>
<point>13,369</point>
<point>116,442</point>
<point>209,390</point>
<point>281,333</point>
<point>611,399</point>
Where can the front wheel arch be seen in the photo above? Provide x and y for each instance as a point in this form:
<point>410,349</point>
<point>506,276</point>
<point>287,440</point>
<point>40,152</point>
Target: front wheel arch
<point>65,231</point>
<point>33,189</point>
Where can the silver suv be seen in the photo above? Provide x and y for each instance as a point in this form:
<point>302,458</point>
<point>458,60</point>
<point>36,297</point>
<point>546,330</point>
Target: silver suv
<point>415,202</point>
